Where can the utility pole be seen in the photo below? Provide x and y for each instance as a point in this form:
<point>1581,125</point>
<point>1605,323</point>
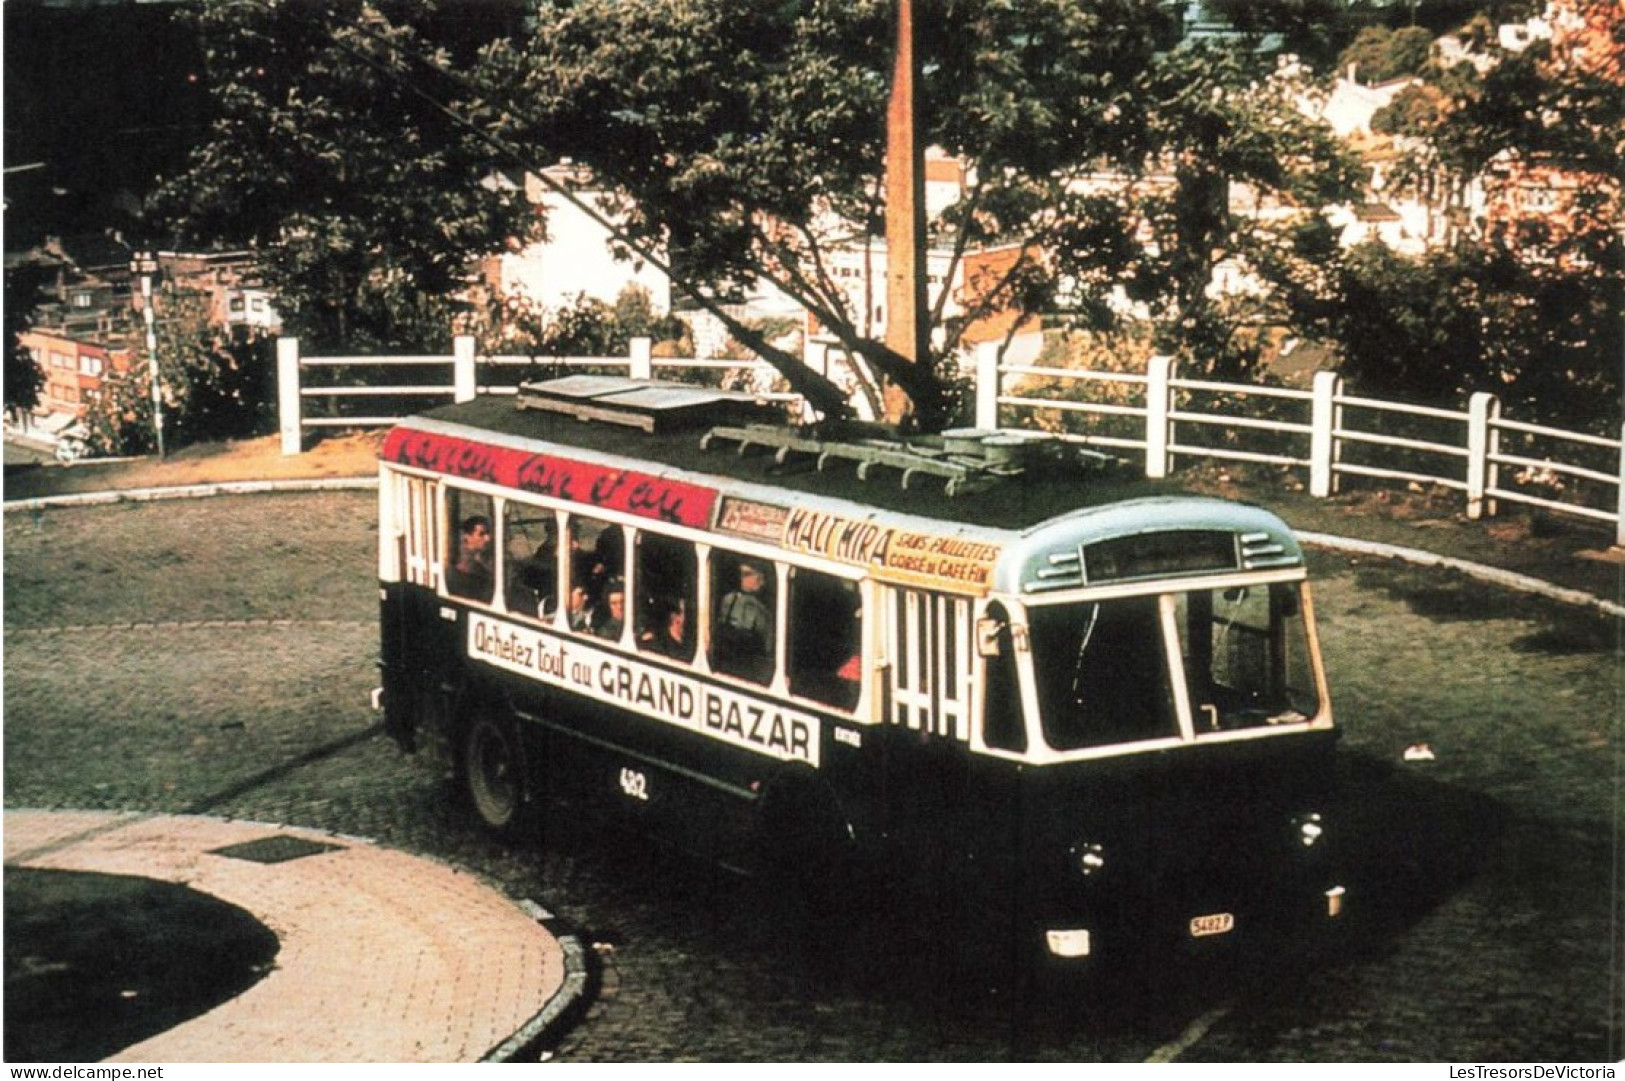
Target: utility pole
<point>145,264</point>
<point>907,332</point>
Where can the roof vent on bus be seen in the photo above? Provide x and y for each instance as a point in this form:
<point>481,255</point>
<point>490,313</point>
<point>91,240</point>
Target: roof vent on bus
<point>966,459</point>
<point>643,404</point>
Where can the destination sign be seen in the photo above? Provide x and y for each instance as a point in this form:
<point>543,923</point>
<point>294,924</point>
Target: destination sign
<point>748,518</point>
<point>657,693</point>
<point>580,482</point>
<point>895,553</point>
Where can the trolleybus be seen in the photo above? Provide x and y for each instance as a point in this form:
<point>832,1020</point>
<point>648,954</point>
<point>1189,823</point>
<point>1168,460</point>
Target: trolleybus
<point>989,659</point>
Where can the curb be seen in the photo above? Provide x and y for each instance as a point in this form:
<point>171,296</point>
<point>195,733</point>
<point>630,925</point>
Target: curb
<point>558,1012</point>
<point>1522,583</point>
<point>191,491</point>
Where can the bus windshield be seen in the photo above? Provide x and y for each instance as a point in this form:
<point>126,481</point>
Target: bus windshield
<point>1104,676</point>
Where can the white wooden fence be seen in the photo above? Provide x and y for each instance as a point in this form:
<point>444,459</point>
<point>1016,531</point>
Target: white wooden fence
<point>1323,431</point>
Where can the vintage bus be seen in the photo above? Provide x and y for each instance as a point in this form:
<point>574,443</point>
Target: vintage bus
<point>988,661</point>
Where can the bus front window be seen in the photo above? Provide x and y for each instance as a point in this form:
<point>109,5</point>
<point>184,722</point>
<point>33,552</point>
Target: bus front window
<point>1247,659</point>
<point>1102,674</point>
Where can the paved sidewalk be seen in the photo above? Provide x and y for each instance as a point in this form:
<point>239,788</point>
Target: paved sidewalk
<point>384,957</point>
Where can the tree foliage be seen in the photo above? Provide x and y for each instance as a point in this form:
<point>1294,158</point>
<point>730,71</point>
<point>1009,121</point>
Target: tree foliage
<point>750,139</point>
<point>1379,54</point>
<point>1526,305</point>
<point>214,384</point>
<point>365,204</point>
<point>1438,328</point>
<point>1313,30</point>
<point>25,289</point>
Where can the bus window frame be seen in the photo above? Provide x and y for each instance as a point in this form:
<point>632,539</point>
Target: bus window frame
<point>1167,592</point>
<point>635,591</point>
<point>777,684</point>
<point>502,540</point>
<point>866,621</point>
<point>448,532</point>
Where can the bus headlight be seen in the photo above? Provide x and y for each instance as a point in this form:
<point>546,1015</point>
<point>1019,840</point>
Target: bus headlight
<point>1309,828</point>
<point>1090,859</point>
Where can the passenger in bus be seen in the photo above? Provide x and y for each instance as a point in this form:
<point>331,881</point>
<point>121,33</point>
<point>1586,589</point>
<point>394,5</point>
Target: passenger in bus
<point>745,628</point>
<point>580,609</point>
<point>530,585</point>
<point>668,633</point>
<point>610,617</point>
<point>470,574</point>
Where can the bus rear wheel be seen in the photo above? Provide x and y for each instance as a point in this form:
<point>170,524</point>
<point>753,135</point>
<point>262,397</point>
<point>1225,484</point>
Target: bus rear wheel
<point>493,770</point>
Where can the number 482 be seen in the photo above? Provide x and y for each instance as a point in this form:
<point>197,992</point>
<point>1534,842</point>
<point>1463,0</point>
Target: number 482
<point>634,784</point>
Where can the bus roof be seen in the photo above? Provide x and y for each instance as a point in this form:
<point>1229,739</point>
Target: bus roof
<point>1059,480</point>
<point>1031,517</point>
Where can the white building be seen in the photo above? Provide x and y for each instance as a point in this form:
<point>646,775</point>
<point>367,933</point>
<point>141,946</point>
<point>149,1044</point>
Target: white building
<point>579,256</point>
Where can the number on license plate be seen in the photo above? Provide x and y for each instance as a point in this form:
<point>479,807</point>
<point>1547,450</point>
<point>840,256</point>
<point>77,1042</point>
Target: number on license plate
<point>1217,923</point>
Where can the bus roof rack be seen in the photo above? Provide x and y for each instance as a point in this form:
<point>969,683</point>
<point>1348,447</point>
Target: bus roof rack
<point>640,403</point>
<point>968,459</point>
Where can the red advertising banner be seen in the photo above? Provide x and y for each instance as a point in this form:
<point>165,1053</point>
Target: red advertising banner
<point>543,474</point>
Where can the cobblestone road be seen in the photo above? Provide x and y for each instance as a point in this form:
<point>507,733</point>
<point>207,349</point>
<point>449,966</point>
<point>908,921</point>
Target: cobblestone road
<point>215,657</point>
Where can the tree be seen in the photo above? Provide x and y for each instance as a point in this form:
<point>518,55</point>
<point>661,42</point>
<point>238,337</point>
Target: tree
<point>1314,30</point>
<point>1534,301</point>
<point>214,384</point>
<point>1216,122</point>
<point>748,139</point>
<point>366,204</point>
<point>25,289</point>
<point>1438,328</point>
<point>1378,54</point>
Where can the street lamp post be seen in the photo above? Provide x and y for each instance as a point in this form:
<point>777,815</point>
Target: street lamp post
<point>145,264</point>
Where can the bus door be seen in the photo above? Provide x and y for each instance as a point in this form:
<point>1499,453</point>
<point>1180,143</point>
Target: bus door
<point>409,566</point>
<point>928,647</point>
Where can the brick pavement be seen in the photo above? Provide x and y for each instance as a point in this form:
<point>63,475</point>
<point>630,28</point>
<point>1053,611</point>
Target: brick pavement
<point>384,957</point>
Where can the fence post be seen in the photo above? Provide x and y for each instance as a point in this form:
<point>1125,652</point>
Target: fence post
<point>1159,374</point>
<point>640,362</point>
<point>1482,410</point>
<point>289,421</point>
<point>1323,432</point>
<point>1619,512</point>
<point>463,379</point>
<point>987,386</point>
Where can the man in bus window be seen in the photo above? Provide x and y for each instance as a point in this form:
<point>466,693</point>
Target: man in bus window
<point>611,616</point>
<point>580,609</point>
<point>470,574</point>
<point>668,632</point>
<point>745,627</point>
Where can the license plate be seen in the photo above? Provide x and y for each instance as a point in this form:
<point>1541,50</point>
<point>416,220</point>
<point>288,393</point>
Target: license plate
<point>1217,923</point>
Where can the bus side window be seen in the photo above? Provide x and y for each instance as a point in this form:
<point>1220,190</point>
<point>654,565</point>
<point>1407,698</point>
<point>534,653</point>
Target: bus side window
<point>530,560</point>
<point>742,616</point>
<point>597,596</point>
<point>825,641</point>
<point>665,582</point>
<point>1002,727</point>
<point>469,537</point>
